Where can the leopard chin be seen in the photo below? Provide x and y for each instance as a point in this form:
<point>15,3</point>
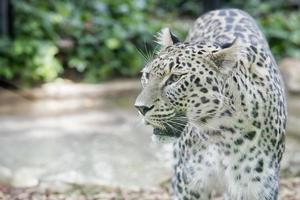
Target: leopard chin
<point>169,131</point>
<point>163,139</point>
<point>171,127</point>
<point>166,132</point>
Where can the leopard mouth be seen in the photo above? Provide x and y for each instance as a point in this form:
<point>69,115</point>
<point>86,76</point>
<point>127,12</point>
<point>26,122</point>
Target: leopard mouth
<point>161,132</point>
<point>168,131</point>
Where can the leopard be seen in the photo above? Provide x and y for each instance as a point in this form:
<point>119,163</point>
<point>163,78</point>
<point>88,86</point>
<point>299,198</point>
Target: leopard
<point>219,98</point>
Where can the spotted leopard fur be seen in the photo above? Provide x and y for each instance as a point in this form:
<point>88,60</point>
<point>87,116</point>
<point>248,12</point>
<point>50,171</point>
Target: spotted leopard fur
<point>219,96</point>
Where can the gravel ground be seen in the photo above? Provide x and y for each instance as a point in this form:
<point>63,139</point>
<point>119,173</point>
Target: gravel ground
<point>290,190</point>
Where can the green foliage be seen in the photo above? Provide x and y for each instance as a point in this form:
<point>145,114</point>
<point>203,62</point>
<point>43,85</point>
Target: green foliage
<point>279,21</point>
<point>97,38</point>
<point>180,7</point>
<point>29,59</point>
<point>283,33</point>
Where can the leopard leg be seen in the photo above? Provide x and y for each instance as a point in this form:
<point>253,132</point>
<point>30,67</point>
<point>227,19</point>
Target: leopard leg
<point>188,185</point>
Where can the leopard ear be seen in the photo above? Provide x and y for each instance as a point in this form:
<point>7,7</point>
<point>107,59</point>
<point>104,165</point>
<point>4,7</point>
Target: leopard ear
<point>226,58</point>
<point>165,38</point>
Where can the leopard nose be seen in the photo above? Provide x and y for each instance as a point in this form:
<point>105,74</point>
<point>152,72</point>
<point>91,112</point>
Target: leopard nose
<point>144,109</point>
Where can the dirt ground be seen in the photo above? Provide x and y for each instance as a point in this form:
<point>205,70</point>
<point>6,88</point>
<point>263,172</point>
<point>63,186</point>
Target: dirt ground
<point>289,190</point>
<point>84,108</point>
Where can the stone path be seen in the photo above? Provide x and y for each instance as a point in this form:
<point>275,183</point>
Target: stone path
<point>95,144</point>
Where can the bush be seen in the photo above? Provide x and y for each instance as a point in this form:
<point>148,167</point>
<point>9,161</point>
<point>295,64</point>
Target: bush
<point>97,38</point>
<point>279,21</point>
<point>29,59</point>
<point>283,33</point>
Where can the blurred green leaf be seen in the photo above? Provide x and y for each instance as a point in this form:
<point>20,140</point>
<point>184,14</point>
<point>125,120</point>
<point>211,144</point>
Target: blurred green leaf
<point>104,34</point>
<point>112,43</point>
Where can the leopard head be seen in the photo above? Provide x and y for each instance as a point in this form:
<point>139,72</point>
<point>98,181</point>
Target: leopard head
<point>184,84</point>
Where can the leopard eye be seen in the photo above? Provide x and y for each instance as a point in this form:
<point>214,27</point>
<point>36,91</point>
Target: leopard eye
<point>146,75</point>
<point>145,78</point>
<point>173,78</point>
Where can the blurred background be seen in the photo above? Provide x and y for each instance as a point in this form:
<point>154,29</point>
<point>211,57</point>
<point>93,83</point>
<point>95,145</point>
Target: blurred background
<point>69,75</point>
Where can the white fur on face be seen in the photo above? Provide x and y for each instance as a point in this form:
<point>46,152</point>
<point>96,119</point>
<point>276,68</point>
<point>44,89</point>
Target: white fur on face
<point>157,139</point>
